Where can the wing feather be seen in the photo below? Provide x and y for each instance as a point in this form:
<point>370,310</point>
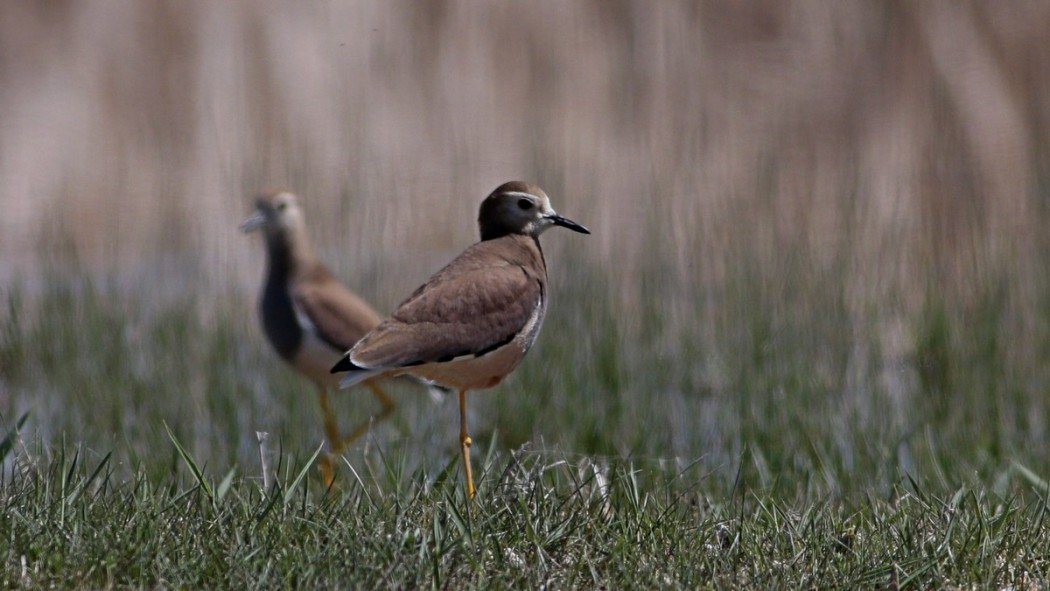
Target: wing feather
<point>471,306</point>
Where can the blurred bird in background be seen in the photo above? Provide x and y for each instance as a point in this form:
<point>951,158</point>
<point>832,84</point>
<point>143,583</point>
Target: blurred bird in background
<point>308,316</point>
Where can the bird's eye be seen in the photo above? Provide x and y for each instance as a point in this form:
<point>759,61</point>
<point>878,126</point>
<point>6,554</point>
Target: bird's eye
<point>525,204</point>
<point>281,206</point>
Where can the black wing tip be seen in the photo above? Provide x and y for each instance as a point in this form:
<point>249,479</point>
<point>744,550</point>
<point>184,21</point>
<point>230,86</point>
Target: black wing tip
<point>344,365</point>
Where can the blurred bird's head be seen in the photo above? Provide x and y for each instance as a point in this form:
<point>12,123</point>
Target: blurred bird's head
<point>278,213</point>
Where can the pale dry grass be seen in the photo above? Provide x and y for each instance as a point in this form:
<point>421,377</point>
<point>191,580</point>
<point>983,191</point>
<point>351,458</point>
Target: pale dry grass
<point>895,148</point>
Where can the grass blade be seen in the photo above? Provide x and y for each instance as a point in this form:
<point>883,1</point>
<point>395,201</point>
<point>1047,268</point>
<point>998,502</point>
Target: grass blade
<point>1042,485</point>
<point>8,442</point>
<point>224,486</point>
<point>198,474</point>
<point>302,474</point>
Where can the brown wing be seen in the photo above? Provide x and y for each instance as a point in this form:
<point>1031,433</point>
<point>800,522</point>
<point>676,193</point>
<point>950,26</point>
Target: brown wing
<point>339,316</point>
<point>470,307</point>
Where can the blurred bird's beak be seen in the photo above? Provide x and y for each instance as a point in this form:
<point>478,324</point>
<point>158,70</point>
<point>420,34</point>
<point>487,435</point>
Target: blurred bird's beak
<point>254,222</point>
<point>567,223</point>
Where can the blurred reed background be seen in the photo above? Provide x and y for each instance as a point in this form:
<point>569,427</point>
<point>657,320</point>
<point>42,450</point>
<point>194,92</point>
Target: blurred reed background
<point>805,215</point>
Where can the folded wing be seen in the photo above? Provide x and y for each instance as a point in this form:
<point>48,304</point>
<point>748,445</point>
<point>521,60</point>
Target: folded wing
<point>466,310</point>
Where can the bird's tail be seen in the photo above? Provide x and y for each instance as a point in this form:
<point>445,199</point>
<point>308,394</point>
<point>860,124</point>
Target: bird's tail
<point>355,373</point>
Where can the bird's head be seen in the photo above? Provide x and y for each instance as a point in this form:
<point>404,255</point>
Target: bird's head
<point>520,208</point>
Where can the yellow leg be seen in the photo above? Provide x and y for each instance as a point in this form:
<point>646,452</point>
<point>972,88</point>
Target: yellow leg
<point>384,400</point>
<point>338,443</point>
<point>331,431</point>
<point>385,412</point>
<point>465,442</point>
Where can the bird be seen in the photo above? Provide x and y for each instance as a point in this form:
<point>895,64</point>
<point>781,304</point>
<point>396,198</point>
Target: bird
<point>473,321</point>
<point>308,316</point>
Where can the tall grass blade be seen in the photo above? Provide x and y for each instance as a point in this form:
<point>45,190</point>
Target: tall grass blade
<point>8,442</point>
<point>302,474</point>
<point>198,474</point>
<point>84,485</point>
<point>1032,477</point>
<point>224,486</point>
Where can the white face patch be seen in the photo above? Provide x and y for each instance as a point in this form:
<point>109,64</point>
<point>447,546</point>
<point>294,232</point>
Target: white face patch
<point>288,215</point>
<point>522,194</point>
<point>534,221</point>
<point>544,204</point>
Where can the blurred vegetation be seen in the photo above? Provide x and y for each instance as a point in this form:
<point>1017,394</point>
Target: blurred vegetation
<point>787,408</point>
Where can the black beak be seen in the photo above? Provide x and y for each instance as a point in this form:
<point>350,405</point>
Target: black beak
<point>567,223</point>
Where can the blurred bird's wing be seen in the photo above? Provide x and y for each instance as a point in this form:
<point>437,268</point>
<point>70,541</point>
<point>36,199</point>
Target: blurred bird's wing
<point>339,317</point>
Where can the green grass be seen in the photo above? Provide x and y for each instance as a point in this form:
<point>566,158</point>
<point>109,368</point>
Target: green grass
<point>538,521</point>
<point>623,453</point>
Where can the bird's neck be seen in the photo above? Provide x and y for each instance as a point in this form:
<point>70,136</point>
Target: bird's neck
<point>289,253</point>
<point>529,250</point>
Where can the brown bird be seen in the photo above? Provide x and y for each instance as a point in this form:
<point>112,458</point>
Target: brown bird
<point>308,316</point>
<point>471,323</point>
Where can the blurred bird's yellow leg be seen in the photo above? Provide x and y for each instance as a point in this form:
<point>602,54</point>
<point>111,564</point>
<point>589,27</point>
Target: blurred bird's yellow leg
<point>331,432</point>
<point>465,442</point>
<point>387,409</point>
<point>338,443</point>
<point>384,400</point>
